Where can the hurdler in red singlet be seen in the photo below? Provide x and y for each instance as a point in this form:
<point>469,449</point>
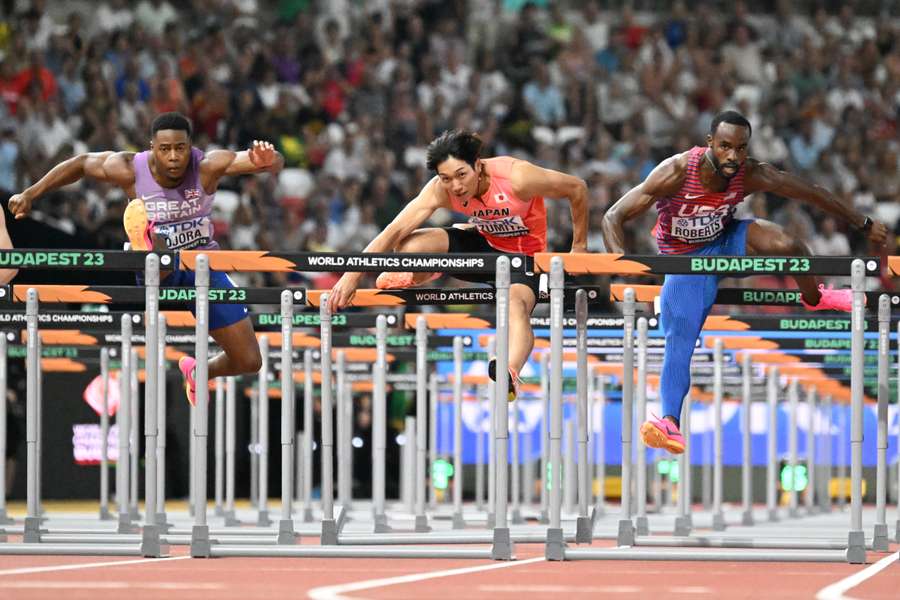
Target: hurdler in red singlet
<point>694,216</point>
<point>503,199</point>
<point>695,194</point>
<point>507,222</point>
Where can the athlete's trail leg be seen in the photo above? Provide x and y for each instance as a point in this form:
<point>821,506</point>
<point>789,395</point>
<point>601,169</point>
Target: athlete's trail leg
<point>430,240</point>
<point>240,350</point>
<point>767,238</point>
<point>521,336</point>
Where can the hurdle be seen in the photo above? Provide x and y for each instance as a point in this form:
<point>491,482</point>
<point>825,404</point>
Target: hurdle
<point>855,546</point>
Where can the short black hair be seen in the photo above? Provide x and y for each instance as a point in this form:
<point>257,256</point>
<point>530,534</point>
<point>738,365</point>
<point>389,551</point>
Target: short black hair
<point>732,117</point>
<point>171,120</point>
<point>464,145</point>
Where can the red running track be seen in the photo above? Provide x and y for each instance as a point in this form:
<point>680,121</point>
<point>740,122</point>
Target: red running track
<point>181,578</point>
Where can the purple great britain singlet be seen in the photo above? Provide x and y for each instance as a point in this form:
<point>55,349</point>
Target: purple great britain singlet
<point>694,217</point>
<point>181,215</point>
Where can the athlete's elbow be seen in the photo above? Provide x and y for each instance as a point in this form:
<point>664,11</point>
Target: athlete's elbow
<point>7,275</point>
<point>579,191</point>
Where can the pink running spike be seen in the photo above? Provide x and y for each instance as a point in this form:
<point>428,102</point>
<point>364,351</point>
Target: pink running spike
<point>832,299</point>
<point>186,366</point>
<point>661,433</point>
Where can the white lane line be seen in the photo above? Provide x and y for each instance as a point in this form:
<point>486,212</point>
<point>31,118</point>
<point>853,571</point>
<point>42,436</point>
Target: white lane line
<point>110,585</point>
<point>835,591</point>
<point>336,592</point>
<point>75,567</point>
<point>561,589</point>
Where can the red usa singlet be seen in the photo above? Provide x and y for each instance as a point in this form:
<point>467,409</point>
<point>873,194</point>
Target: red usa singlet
<point>694,216</point>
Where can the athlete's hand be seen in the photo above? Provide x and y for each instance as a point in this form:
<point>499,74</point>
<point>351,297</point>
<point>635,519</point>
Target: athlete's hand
<point>878,234</point>
<point>262,154</point>
<point>343,291</point>
<point>20,205</point>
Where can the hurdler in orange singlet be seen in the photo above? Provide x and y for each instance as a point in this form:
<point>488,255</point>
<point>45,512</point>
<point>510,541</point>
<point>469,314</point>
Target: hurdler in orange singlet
<point>508,222</point>
<point>503,199</point>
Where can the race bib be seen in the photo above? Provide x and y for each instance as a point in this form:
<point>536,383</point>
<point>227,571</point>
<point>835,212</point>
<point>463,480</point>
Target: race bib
<point>700,228</point>
<point>184,235</point>
<point>511,226</point>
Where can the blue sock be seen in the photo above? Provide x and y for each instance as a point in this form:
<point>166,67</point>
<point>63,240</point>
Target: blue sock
<point>685,302</point>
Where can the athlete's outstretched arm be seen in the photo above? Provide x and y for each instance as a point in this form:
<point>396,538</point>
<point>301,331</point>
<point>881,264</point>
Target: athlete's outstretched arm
<point>110,167</point>
<point>6,275</point>
<point>261,157</point>
<point>764,177</point>
<point>529,180</point>
<point>431,198</point>
<point>665,179</point>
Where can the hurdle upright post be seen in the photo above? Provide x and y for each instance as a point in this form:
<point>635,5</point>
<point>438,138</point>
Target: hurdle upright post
<point>4,518</point>
<point>200,542</point>
<point>625,535</point>
<point>502,548</point>
<point>642,526</point>
<point>458,520</point>
<point>746,441</point>
<point>329,526</point>
<point>897,524</point>
<point>32,532</point>
<point>230,447</point>
<point>880,542</point>
<point>772,445</point>
<point>600,464</point>
<point>718,360</point>
<point>856,539</point>
<point>286,524</point>
<point>340,398</point>
<point>308,435</point>
<point>793,401</point>
<point>516,475</point>
<point>492,444</point>
<point>432,435</point>
<point>583,522</point>
<point>422,420</point>
<point>684,523</point>
<point>812,480</point>
<point>480,394</point>
<point>556,546</point>
<point>262,393</point>
<point>161,517</point>
<point>104,434</point>
<point>123,426</point>
<point>379,426</point>
<point>545,438</point>
<point>219,452</point>
<point>134,440</point>
<point>150,544</point>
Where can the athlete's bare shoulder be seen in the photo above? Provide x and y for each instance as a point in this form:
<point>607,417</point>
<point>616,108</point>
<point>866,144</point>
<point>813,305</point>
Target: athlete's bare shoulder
<point>113,167</point>
<point>668,176</point>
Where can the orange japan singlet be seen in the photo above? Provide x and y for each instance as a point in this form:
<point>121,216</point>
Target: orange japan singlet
<point>507,222</point>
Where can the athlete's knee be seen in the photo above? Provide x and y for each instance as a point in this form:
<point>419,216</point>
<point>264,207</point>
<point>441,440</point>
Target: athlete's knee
<point>247,360</point>
<point>782,243</point>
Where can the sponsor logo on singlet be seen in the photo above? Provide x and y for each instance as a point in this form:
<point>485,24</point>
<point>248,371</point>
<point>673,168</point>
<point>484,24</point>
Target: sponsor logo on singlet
<point>187,234</point>
<point>698,223</point>
<point>510,226</point>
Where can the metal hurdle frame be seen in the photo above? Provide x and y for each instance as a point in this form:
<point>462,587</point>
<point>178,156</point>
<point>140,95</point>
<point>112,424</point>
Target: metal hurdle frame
<point>853,551</point>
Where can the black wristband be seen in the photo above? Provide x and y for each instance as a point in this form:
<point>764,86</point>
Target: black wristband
<point>867,225</point>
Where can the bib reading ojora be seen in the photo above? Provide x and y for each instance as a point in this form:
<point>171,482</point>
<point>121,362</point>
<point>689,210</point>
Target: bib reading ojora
<point>181,215</point>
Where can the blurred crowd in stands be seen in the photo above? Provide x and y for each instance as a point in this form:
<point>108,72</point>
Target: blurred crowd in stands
<point>352,91</point>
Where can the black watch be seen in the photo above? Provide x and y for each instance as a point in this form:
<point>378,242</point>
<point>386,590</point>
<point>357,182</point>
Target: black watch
<point>867,225</point>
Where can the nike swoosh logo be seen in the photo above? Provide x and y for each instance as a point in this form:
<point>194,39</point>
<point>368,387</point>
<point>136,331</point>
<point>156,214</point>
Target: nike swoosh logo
<point>692,196</point>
